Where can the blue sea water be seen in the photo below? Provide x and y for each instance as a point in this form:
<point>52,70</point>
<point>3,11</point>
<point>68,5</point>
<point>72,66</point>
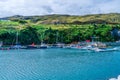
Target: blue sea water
<point>58,64</point>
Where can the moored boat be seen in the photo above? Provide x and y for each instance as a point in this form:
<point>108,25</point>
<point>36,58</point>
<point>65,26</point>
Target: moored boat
<point>43,46</point>
<point>32,46</point>
<point>103,49</point>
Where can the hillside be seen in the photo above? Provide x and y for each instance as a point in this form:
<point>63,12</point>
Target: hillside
<point>65,28</point>
<point>112,18</point>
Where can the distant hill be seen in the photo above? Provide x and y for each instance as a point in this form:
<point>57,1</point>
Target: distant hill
<point>111,18</point>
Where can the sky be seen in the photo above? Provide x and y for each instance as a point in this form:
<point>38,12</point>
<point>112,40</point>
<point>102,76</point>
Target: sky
<point>46,7</point>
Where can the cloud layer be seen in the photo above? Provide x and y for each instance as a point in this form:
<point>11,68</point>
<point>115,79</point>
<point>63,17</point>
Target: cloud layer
<point>43,7</point>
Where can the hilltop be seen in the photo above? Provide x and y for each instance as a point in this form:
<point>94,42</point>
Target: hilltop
<point>111,18</point>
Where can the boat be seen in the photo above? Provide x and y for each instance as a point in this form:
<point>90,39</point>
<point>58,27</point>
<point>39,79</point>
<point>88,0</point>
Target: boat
<point>99,47</point>
<point>103,49</point>
<point>57,45</point>
<point>17,45</point>
<point>95,45</point>
<point>32,46</point>
<point>59,42</point>
<point>43,46</point>
<point>1,43</point>
<point>73,46</point>
<point>88,47</point>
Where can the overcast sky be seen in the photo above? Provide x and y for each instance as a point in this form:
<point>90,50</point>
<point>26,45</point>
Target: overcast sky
<point>43,7</point>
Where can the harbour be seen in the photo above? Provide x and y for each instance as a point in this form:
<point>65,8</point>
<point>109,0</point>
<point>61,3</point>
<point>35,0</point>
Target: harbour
<point>58,64</point>
<point>59,40</point>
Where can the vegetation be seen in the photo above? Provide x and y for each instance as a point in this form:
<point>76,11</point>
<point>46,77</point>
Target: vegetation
<point>58,28</point>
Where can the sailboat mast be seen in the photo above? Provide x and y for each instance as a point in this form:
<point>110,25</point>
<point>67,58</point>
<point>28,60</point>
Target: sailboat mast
<point>17,38</point>
<point>42,36</point>
<point>57,34</point>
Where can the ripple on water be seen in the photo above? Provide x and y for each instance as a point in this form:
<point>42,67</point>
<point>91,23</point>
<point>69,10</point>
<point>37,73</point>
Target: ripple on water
<point>58,64</point>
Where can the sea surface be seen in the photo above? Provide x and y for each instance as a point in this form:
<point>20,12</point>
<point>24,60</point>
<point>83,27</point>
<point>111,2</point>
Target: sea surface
<point>58,64</point>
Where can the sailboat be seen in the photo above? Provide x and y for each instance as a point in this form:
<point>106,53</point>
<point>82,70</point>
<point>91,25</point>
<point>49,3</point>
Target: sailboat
<point>42,45</point>
<point>16,46</point>
<point>32,46</point>
<point>59,41</point>
<point>3,47</point>
<point>1,43</point>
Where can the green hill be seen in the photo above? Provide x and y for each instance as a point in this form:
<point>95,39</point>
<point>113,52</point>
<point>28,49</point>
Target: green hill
<point>112,18</point>
<point>67,28</point>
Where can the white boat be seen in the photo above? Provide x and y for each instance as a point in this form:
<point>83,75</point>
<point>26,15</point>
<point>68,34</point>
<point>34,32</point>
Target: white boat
<point>43,46</point>
<point>87,47</point>
<point>96,49</point>
<point>73,46</point>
